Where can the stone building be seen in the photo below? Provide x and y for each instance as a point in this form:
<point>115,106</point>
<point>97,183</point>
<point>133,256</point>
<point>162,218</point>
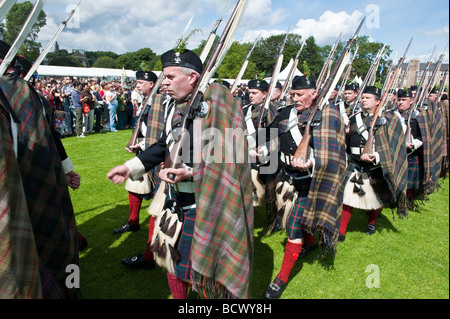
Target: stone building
<point>411,73</point>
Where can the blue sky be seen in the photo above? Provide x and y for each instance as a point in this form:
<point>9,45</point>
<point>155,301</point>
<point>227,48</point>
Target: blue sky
<point>126,25</point>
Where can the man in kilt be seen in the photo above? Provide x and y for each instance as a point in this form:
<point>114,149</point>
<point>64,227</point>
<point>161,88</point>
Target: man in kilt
<point>415,191</point>
<point>212,196</point>
<point>379,178</point>
<point>44,183</point>
<point>142,188</point>
<point>318,183</point>
<point>263,184</point>
<point>150,130</point>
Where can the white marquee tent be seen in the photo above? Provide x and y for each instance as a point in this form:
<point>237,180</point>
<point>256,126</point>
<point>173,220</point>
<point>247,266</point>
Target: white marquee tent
<point>101,73</point>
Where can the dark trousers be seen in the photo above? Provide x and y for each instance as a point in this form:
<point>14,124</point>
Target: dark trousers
<point>98,119</point>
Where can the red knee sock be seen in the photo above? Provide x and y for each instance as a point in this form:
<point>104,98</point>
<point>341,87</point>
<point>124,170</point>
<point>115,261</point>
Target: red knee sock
<point>290,257</point>
<point>178,287</point>
<point>373,214</point>
<point>345,219</point>
<point>148,254</point>
<point>135,203</point>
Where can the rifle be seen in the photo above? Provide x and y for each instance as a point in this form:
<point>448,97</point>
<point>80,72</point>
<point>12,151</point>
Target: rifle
<point>346,75</point>
<point>49,45</point>
<point>5,6</point>
<point>323,96</point>
<point>273,82</point>
<point>23,34</point>
<point>193,105</point>
<point>327,63</point>
<point>431,80</point>
<point>145,102</point>
<point>367,78</point>
<point>368,147</point>
<point>417,98</point>
<point>210,41</point>
<point>244,66</point>
<point>291,73</point>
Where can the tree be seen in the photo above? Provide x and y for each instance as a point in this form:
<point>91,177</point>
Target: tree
<point>15,20</point>
<point>366,54</point>
<point>232,63</point>
<point>105,62</point>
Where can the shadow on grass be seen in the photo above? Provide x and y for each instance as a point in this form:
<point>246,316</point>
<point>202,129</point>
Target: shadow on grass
<point>102,274</point>
<point>262,257</point>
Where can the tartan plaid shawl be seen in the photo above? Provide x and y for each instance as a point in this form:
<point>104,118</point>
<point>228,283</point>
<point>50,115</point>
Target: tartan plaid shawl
<point>222,245</point>
<point>430,123</point>
<point>155,120</point>
<point>437,138</point>
<point>391,146</point>
<point>48,199</point>
<point>19,264</point>
<point>324,202</point>
<point>445,146</point>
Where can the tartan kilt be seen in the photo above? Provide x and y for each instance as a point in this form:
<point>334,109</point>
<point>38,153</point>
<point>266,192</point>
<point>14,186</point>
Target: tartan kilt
<point>414,173</point>
<point>295,219</point>
<point>183,266</point>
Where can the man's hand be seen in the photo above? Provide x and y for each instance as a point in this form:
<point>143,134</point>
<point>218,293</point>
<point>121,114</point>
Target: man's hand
<point>118,174</point>
<point>300,164</point>
<point>180,174</point>
<point>133,148</point>
<point>73,180</point>
<point>410,146</point>
<point>369,158</point>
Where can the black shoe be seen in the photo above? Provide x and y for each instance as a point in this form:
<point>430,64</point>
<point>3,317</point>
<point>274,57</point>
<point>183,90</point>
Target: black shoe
<point>127,227</point>
<point>138,262</point>
<point>275,289</point>
<point>341,238</point>
<point>306,250</point>
<point>370,229</point>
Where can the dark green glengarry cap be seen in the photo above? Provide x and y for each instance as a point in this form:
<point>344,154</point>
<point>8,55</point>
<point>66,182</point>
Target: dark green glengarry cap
<point>404,93</point>
<point>302,82</point>
<point>279,85</point>
<point>351,87</point>
<point>414,88</point>
<point>373,90</point>
<point>187,59</point>
<point>146,76</point>
<point>258,85</point>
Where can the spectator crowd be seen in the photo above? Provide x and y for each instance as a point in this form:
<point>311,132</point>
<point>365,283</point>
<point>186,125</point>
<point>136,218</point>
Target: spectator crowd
<point>87,106</point>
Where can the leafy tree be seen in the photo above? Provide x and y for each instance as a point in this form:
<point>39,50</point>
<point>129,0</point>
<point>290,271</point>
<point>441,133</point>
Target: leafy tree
<point>232,63</point>
<point>311,54</point>
<point>366,54</point>
<point>105,62</point>
<point>64,60</point>
<point>14,22</point>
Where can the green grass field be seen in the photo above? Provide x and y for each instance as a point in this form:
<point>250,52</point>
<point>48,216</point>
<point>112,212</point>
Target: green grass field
<point>409,257</point>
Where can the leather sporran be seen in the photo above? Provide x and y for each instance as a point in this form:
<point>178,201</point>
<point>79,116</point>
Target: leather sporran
<point>167,230</point>
<point>286,195</point>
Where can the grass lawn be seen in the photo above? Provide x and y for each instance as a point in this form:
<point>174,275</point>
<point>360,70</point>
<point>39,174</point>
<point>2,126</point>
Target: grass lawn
<point>404,259</point>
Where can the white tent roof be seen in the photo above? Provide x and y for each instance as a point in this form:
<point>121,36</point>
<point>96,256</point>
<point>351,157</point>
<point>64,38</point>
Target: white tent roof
<point>59,71</point>
<point>284,74</point>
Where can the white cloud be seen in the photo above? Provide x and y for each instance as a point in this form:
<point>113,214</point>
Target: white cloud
<point>437,32</point>
<point>326,30</point>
